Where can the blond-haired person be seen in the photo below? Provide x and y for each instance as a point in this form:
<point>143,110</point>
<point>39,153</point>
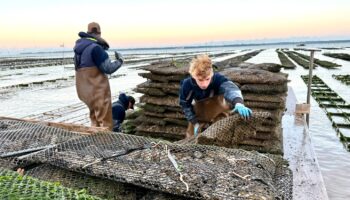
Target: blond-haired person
<point>206,95</point>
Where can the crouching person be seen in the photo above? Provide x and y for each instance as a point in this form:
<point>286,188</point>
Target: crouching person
<point>119,109</point>
<point>206,96</point>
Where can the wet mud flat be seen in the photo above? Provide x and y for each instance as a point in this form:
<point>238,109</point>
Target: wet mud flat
<point>180,122</point>
<point>22,63</point>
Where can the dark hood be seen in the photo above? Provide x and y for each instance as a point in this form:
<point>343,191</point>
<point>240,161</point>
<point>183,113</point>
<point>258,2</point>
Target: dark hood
<point>123,99</point>
<point>100,40</point>
<point>81,44</point>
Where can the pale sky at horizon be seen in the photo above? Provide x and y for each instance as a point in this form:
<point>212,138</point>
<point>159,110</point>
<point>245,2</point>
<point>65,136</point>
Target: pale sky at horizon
<point>40,23</point>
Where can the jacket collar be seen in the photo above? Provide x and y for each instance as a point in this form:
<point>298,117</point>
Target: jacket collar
<point>97,39</point>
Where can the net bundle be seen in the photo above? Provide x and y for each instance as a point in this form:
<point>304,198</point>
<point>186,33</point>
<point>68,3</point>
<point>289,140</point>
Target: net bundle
<point>162,115</point>
<point>235,132</point>
<point>99,187</point>
<point>16,136</point>
<point>194,171</point>
<point>263,91</point>
<point>160,168</point>
<point>19,137</point>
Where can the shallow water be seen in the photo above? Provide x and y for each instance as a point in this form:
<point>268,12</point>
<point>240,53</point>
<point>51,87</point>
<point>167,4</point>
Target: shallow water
<point>17,76</point>
<point>333,158</point>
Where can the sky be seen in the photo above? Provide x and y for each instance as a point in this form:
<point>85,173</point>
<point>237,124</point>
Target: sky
<point>153,23</point>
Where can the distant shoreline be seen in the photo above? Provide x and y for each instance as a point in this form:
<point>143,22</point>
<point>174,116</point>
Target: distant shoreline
<point>237,45</point>
<point>196,46</point>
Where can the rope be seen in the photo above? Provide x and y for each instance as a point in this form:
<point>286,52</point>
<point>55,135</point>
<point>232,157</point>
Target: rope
<point>173,161</point>
<point>177,167</point>
<point>242,177</point>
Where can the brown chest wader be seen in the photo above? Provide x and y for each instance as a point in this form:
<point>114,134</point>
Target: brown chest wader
<point>207,111</point>
<point>93,89</point>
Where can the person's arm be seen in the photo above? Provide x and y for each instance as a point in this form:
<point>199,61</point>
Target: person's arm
<point>122,117</point>
<point>102,61</point>
<point>186,103</point>
<point>118,113</point>
<point>231,92</point>
<point>234,95</point>
<point>118,117</point>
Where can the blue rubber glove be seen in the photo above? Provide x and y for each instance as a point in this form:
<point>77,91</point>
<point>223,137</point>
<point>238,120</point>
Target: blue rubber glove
<point>242,110</point>
<point>196,127</point>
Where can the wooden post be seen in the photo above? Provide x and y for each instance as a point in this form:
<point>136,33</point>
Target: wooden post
<point>312,52</point>
<point>309,84</point>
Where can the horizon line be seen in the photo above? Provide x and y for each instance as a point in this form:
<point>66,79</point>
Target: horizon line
<point>234,44</point>
<point>203,45</point>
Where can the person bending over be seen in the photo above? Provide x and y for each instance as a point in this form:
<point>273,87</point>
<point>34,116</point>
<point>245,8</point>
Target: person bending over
<point>207,96</point>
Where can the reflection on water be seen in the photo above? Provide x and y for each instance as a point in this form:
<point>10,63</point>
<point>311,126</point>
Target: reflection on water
<point>334,160</point>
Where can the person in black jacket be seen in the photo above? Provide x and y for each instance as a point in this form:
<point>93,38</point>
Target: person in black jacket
<point>119,110</point>
<point>92,64</point>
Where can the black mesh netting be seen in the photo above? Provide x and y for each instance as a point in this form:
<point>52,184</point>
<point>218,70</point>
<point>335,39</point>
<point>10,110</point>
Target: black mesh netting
<point>150,91</point>
<point>173,131</point>
<point>174,67</point>
<point>175,115</point>
<point>159,108</point>
<point>169,86</point>
<point>192,171</point>
<point>15,186</point>
<point>20,137</point>
<point>161,121</point>
<point>13,163</point>
<point>264,105</point>
<point>103,188</point>
<point>161,78</point>
<point>254,76</point>
<point>207,172</point>
<point>276,98</point>
<point>234,132</point>
<point>264,88</point>
<point>162,101</point>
